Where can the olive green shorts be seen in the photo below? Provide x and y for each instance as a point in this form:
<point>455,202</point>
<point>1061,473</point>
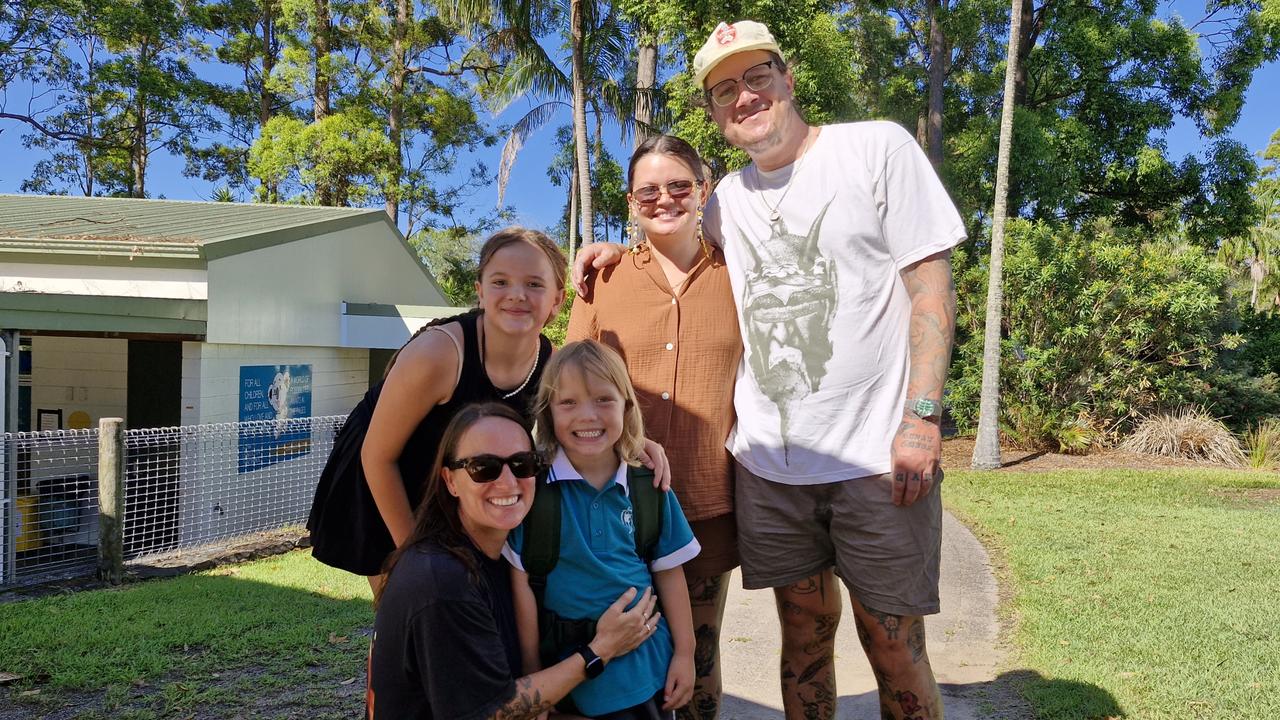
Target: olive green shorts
<point>887,555</point>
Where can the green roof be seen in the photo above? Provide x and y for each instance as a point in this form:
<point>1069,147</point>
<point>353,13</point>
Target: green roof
<point>155,229</point>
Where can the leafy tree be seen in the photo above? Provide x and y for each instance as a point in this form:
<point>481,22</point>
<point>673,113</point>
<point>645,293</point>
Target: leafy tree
<point>251,36</point>
<point>127,92</point>
<point>1257,254</point>
<point>1097,84</point>
<point>1101,324</point>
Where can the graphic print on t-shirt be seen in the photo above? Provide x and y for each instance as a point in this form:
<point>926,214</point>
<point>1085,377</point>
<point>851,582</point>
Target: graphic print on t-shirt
<point>789,299</point>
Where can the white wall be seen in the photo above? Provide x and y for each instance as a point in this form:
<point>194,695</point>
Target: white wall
<point>122,281</point>
<point>72,373</point>
<point>217,500</point>
<point>292,294</point>
<point>211,377</point>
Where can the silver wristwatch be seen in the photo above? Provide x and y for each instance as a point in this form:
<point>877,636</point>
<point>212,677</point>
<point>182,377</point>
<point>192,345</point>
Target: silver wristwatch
<point>925,408</point>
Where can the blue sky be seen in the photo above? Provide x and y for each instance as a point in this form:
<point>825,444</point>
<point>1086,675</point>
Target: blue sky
<point>538,203</point>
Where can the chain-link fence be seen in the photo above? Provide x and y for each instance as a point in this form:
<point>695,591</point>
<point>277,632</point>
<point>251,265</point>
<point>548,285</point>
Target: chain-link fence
<point>183,486</point>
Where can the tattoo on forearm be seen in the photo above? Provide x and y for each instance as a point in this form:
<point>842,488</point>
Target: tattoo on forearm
<point>932,328</point>
<point>527,703</point>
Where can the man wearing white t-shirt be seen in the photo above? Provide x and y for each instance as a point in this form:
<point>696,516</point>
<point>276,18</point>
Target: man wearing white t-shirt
<point>837,240</point>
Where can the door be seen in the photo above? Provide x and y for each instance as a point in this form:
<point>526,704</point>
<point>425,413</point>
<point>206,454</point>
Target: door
<point>152,471</point>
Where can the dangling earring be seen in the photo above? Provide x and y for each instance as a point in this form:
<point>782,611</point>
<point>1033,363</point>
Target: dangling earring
<point>702,241</point>
<point>631,232</point>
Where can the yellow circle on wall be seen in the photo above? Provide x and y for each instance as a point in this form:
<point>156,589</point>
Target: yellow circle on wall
<point>79,420</point>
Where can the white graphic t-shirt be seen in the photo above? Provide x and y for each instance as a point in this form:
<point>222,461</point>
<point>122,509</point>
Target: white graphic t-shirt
<point>823,310</point>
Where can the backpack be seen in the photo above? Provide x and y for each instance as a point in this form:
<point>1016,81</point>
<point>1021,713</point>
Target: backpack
<point>541,552</point>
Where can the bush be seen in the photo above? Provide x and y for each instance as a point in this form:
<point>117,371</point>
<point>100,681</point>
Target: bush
<point>1101,326</point>
<point>1262,444</point>
<point>1190,433</point>
<point>1261,349</point>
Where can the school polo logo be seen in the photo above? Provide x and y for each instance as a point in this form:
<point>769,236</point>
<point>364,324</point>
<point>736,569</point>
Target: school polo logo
<point>627,521</point>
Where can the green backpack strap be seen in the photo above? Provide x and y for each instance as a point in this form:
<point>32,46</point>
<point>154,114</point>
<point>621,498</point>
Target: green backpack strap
<point>648,504</point>
<point>542,535</point>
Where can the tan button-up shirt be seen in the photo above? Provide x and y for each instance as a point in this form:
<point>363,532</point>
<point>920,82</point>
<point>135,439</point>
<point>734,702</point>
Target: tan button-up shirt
<point>682,353</point>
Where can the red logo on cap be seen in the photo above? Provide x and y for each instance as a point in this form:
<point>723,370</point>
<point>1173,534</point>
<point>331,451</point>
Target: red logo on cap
<point>725,34</point>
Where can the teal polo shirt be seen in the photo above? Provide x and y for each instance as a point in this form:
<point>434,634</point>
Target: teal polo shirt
<point>598,562</point>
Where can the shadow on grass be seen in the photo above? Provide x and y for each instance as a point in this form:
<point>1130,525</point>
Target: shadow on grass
<point>239,642</point>
<point>1014,695</point>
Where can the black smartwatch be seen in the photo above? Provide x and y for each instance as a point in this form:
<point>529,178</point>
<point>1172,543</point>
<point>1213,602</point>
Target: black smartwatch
<point>595,665</point>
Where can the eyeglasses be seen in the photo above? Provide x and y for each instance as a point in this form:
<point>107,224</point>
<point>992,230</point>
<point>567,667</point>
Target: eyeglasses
<point>487,468</point>
<point>756,78</point>
<point>676,189</point>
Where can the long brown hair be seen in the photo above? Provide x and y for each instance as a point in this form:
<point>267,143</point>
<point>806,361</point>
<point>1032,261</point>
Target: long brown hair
<point>437,519</point>
<point>494,243</point>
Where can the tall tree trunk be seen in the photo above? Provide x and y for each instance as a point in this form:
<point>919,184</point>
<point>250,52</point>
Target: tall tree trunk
<point>138,148</point>
<point>646,80</point>
<point>580,123</point>
<point>573,216</point>
<point>266,101</point>
<point>395,113</point>
<point>986,451</point>
<point>1026,41</point>
<point>320,92</point>
<point>939,55</point>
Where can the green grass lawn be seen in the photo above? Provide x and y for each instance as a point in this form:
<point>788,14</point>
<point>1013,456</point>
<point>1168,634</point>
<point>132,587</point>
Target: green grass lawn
<point>205,645</point>
<point>1154,593</point>
<point>1148,595</point>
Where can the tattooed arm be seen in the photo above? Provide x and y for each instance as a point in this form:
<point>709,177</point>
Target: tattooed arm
<point>618,631</point>
<point>917,446</point>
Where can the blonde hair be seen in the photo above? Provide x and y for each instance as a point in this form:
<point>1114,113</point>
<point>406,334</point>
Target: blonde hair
<point>600,360</point>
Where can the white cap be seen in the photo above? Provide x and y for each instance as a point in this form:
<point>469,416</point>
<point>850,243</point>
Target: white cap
<point>729,39</point>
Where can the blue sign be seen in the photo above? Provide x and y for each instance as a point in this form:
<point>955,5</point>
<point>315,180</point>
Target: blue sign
<point>282,394</point>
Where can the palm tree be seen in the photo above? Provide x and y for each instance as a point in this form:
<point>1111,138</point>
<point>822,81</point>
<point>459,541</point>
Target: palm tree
<point>599,47</point>
<point>986,452</point>
<point>1258,253</point>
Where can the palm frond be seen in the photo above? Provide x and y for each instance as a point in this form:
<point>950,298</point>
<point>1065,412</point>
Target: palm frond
<point>520,132</point>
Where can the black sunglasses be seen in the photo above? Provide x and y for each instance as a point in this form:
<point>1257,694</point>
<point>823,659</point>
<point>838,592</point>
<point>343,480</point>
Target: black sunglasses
<point>487,468</point>
<point>677,189</point>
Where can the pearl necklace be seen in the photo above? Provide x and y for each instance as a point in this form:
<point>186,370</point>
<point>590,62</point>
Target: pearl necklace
<point>532,368</point>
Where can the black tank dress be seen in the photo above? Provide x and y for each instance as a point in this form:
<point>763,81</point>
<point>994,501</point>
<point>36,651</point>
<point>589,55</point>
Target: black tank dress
<point>347,532</point>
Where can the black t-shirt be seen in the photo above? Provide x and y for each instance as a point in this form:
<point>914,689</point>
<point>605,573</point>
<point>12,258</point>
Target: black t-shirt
<point>444,641</point>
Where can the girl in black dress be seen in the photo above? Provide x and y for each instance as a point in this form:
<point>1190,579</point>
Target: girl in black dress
<point>493,353</point>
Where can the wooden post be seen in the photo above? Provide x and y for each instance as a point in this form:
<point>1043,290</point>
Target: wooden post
<point>111,500</point>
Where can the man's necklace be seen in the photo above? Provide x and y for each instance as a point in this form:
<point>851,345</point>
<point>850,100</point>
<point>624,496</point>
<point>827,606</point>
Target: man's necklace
<point>775,212</point>
<point>532,368</point>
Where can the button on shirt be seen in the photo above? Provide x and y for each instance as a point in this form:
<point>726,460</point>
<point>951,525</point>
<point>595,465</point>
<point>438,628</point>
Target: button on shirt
<point>682,354</point>
<point>598,562</point>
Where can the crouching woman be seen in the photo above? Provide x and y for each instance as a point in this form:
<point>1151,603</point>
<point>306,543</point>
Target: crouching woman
<point>445,642</point>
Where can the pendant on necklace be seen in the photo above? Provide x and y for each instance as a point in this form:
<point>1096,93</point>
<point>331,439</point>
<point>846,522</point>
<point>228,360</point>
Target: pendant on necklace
<point>775,216</point>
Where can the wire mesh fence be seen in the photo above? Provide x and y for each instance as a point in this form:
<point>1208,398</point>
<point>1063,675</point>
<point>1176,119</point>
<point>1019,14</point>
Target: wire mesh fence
<point>183,487</point>
<point>49,504</point>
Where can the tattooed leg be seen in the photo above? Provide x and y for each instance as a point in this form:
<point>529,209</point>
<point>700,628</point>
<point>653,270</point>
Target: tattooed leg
<point>706,599</point>
<point>895,646</point>
<point>810,612</point>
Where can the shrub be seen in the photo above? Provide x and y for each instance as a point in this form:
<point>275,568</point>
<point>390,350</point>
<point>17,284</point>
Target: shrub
<point>1262,444</point>
<point>1099,323</point>
<point>1190,433</point>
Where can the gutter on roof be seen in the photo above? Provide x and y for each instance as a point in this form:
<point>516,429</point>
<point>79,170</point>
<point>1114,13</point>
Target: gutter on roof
<point>101,313</point>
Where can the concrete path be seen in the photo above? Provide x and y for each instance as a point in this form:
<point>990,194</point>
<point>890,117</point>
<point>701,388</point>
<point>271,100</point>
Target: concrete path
<point>962,641</point>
